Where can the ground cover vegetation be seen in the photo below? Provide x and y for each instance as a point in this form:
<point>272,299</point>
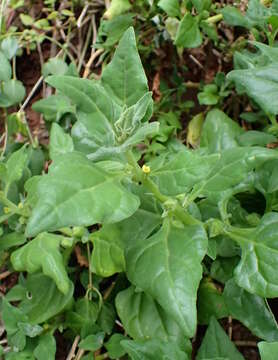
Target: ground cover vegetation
<point>138,180</point>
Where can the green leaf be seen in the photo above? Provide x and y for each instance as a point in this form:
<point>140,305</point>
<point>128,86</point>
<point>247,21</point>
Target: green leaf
<point>10,240</point>
<point>152,350</point>
<point>188,35</point>
<point>5,68</point>
<point>46,348</point>
<point>217,344</point>
<point>30,330</point>
<point>54,107</point>
<point>144,319</point>
<point>26,20</point>
<point>171,7</point>
<point>233,167</point>
<point>54,66</point>
<point>15,166</point>
<point>76,192</point>
<point>210,302</point>
<point>260,84</point>
<point>124,78</point>
<point>43,300</point>
<point>201,5</point>
<point>43,252</point>
<point>60,142</point>
<point>113,346</point>
<point>234,17</point>
<point>268,350</point>
<point>9,47</point>
<point>251,310</point>
<point>13,92</point>
<point>222,269</point>
<point>108,254</point>
<point>116,8</point>
<point>179,172</point>
<point>92,342</point>
<point>258,266</point>
<point>168,255</point>
<point>253,137</point>
<point>226,129</point>
<point>110,241</point>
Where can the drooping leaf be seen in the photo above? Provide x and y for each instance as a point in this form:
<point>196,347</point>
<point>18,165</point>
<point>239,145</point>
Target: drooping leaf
<point>168,255</point>
<point>216,343</point>
<point>76,192</point>
<point>43,253</point>
<point>251,310</point>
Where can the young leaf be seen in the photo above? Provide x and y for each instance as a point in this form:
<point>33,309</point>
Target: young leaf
<point>124,78</point>
<point>217,344</point>
<point>43,252</point>
<point>76,192</point>
<point>251,310</point>
<point>169,255</point>
<point>188,35</point>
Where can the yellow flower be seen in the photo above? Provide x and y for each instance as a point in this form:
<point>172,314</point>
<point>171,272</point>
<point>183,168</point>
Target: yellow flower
<point>146,169</point>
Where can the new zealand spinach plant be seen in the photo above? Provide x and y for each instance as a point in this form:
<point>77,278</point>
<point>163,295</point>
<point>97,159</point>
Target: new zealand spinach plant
<point>163,237</point>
